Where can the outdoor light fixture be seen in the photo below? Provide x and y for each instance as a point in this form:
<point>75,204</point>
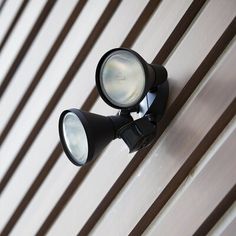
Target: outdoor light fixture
<point>127,82</point>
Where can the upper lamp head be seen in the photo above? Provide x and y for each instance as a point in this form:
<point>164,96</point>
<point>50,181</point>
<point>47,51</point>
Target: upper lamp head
<point>123,78</point>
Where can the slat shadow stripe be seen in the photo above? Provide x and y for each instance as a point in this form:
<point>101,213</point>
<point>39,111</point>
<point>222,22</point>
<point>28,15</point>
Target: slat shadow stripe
<point>217,213</point>
<point>207,63</point>
<point>2,5</point>
<point>172,186</point>
<point>39,74</point>
<point>27,43</point>
<point>81,56</point>
<point>78,179</point>
<point>13,23</point>
<point>163,54</point>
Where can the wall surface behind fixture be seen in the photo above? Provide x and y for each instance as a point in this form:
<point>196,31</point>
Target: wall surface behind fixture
<point>183,184</point>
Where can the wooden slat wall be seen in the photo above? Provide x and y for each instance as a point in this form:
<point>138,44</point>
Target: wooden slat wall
<point>216,171</point>
<point>48,56</point>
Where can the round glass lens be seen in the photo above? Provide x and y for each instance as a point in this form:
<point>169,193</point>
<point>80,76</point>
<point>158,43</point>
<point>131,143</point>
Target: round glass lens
<point>122,78</point>
<point>75,138</point>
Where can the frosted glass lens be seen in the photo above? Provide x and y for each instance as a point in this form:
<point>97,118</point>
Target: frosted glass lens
<point>75,138</point>
<point>122,78</point>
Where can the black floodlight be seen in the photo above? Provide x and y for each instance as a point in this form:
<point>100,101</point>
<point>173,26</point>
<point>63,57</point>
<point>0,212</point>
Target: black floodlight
<point>84,135</point>
<point>127,82</point>
<point>123,78</point>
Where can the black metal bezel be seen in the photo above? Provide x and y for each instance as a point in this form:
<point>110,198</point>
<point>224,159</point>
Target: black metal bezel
<point>91,144</point>
<point>97,75</point>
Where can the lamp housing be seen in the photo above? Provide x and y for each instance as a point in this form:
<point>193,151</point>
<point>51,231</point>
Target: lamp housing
<point>84,135</point>
<point>127,82</point>
<point>123,78</point>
